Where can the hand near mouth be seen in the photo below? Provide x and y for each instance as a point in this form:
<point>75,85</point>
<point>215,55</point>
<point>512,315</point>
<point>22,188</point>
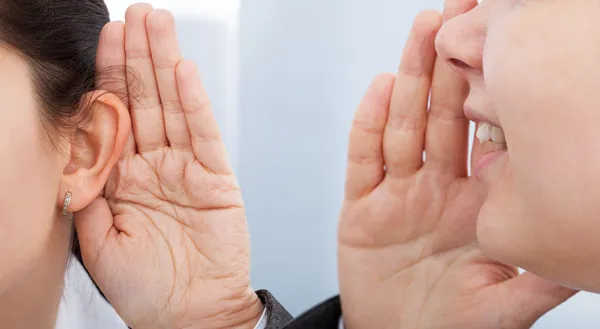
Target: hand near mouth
<point>408,254</point>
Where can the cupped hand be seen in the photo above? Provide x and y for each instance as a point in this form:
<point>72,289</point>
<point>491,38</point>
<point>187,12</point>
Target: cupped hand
<point>168,242</point>
<point>408,255</point>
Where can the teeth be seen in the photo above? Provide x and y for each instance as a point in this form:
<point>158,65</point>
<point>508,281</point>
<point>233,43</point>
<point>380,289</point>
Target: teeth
<point>484,133</point>
<point>487,132</point>
<point>498,135</point>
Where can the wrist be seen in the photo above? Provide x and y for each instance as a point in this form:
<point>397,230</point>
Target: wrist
<point>249,315</point>
<point>242,313</point>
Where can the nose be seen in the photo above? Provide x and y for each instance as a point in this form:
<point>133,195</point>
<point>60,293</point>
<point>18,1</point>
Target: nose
<point>460,41</point>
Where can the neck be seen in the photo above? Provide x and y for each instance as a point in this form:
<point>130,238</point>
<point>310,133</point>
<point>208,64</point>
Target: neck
<point>32,302</point>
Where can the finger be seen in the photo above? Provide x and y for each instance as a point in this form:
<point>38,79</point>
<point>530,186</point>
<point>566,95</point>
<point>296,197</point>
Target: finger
<point>146,111</point>
<point>529,297</point>
<point>166,56</point>
<point>94,226</point>
<point>110,68</point>
<point>207,144</point>
<point>446,141</point>
<point>365,153</point>
<point>405,129</point>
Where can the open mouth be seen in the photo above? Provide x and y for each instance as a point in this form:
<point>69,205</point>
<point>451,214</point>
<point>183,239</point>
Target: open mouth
<point>491,138</point>
<point>493,145</point>
<point>490,133</point>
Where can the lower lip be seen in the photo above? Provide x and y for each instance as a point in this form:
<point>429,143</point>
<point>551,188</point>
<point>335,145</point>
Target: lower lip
<point>487,160</point>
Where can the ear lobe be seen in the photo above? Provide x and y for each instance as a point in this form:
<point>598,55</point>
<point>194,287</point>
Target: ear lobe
<point>95,149</point>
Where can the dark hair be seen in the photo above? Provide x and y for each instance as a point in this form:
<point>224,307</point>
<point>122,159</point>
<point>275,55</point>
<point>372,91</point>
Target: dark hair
<point>59,40</point>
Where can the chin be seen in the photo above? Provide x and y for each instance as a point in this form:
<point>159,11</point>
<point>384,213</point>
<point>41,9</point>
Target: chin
<point>500,236</point>
<point>491,237</point>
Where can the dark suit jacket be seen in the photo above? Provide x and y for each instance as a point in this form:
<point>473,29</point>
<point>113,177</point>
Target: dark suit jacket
<point>324,316</point>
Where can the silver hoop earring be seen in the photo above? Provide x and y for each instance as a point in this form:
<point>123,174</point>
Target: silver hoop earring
<point>67,203</point>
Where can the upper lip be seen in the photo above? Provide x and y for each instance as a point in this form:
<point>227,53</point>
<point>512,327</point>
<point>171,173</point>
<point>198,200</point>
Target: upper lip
<point>478,117</point>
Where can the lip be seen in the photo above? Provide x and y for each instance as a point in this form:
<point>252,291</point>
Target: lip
<point>478,117</point>
<point>489,153</point>
<point>485,161</point>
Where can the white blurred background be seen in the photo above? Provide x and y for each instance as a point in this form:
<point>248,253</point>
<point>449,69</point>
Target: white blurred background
<point>285,78</point>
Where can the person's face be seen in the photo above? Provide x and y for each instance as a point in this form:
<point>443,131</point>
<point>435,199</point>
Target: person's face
<point>30,171</point>
<point>534,70</point>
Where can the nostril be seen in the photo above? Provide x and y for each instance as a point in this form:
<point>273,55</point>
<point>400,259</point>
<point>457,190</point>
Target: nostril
<point>458,63</point>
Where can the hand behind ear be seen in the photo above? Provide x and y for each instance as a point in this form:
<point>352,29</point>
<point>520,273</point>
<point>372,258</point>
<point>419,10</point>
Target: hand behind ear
<point>168,243</point>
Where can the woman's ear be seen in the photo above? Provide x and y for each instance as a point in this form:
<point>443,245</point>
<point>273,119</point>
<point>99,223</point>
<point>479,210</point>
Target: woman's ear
<point>94,150</point>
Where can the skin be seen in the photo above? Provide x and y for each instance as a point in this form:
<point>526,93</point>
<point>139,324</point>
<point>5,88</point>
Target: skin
<point>422,244</point>
<point>35,237</point>
<point>541,212</point>
<point>172,211</point>
<point>158,211</point>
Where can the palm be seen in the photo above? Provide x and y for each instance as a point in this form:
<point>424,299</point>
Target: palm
<point>425,264</point>
<point>449,267</point>
<point>195,227</point>
<point>408,253</point>
<point>173,251</point>
<point>431,204</point>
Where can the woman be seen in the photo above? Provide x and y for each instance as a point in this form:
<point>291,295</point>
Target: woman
<point>167,240</point>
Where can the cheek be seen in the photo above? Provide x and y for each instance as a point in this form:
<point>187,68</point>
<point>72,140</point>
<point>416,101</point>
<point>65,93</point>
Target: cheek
<point>546,98</point>
<point>544,211</point>
<point>28,184</point>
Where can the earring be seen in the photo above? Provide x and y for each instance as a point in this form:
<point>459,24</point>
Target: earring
<point>67,203</point>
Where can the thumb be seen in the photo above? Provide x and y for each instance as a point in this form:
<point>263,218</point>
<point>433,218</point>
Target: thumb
<point>530,297</point>
<point>94,226</point>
